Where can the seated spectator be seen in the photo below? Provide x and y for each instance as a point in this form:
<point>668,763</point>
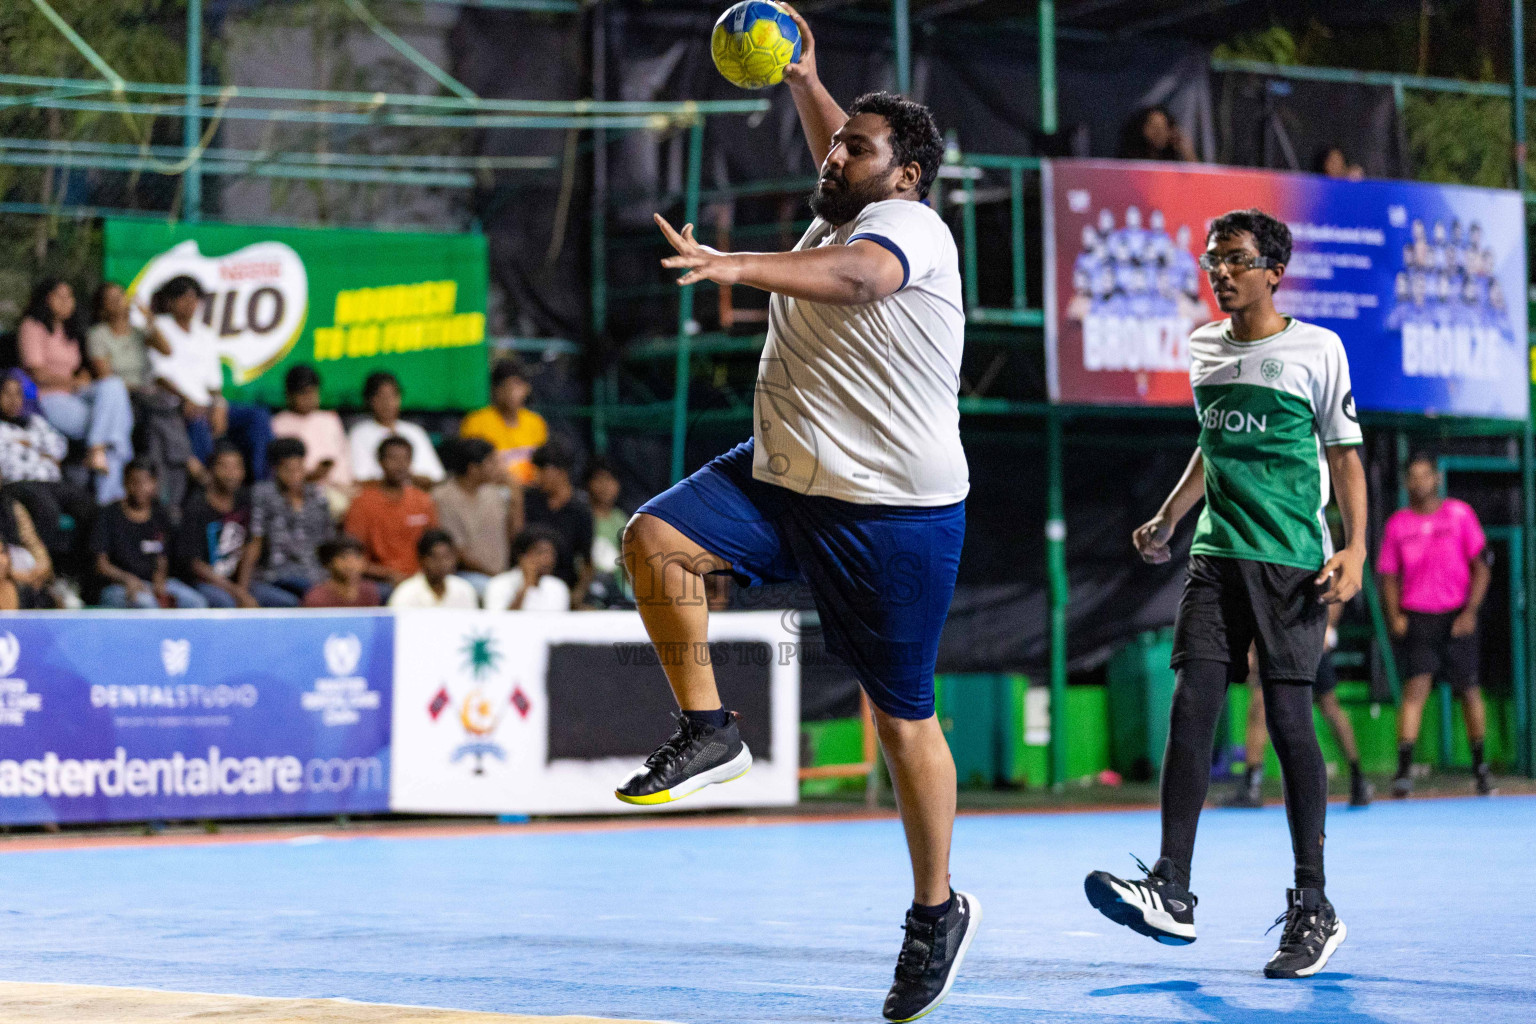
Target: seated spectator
<point>382,395</point>
<point>132,543</point>
<point>515,431</point>
<point>1332,162</point>
<point>194,373</point>
<point>345,587</point>
<point>290,518</point>
<point>1153,134</point>
<point>115,346</point>
<point>27,556</point>
<point>328,461</point>
<point>15,595</point>
<point>531,585</point>
<point>434,586</point>
<point>31,457</point>
<point>216,552</point>
<point>390,515</point>
<point>477,511</point>
<point>555,502</point>
<point>97,412</point>
<point>608,522</point>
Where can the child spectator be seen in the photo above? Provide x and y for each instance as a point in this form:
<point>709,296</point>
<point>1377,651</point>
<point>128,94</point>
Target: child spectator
<point>555,502</point>
<point>382,395</point>
<point>515,431</point>
<point>131,542</point>
<point>216,552</point>
<point>291,519</point>
<point>346,586</point>
<point>435,586</point>
<point>115,346</point>
<point>390,515</point>
<point>608,522</point>
<point>193,372</point>
<point>531,585</point>
<point>328,459</point>
<point>31,453</point>
<point>476,510</point>
<point>97,412</point>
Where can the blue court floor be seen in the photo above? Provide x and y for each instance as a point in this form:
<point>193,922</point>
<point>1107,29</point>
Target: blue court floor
<point>797,922</point>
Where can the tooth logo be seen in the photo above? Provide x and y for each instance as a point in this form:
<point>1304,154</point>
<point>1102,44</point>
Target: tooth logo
<point>258,299</point>
<point>342,653</point>
<point>176,656</point>
<point>10,653</point>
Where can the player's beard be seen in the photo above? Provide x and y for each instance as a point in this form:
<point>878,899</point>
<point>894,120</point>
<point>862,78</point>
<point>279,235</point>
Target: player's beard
<point>843,203</point>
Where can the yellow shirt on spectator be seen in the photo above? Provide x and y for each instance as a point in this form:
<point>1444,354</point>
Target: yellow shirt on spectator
<point>515,442</point>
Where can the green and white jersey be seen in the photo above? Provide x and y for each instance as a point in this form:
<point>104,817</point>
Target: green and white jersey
<point>1267,409</point>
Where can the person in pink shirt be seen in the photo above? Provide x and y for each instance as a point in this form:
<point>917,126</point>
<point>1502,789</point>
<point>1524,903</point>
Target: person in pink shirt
<point>97,412</point>
<point>1433,581</point>
<point>327,457</point>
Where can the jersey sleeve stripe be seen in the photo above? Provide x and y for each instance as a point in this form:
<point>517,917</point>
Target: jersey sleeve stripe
<point>892,247</point>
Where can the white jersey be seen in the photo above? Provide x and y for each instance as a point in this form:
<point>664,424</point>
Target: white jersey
<point>860,403</point>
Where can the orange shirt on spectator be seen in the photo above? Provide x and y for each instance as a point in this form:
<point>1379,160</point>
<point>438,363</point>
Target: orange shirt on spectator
<point>389,525</point>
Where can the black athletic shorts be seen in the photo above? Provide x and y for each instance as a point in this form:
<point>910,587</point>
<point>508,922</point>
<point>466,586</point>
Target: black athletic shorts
<point>1229,603</point>
<point>1327,677</point>
<point>1430,650</point>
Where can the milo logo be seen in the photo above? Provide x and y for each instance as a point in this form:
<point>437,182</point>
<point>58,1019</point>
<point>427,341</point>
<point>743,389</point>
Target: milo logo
<point>258,298</point>
<point>1234,421</point>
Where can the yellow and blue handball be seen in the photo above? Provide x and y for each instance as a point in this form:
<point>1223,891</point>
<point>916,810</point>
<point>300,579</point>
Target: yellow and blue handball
<point>754,42</point>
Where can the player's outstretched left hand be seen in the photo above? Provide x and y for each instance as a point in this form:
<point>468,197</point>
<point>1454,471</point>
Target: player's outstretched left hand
<point>701,262</point>
<point>1340,578</point>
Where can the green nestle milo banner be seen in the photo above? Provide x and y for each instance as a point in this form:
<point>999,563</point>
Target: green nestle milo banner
<point>347,302</point>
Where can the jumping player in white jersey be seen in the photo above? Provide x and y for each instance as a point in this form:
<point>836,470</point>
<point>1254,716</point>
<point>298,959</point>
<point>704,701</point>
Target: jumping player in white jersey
<point>1277,421</point>
<point>854,481</point>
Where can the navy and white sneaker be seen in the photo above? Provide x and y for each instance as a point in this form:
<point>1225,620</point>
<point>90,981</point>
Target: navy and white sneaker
<point>1155,906</point>
<point>1312,932</point>
<point>695,756</point>
<point>930,957</point>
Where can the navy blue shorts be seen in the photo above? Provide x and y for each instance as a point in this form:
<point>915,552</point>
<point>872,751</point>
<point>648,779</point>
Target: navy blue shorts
<point>882,575</point>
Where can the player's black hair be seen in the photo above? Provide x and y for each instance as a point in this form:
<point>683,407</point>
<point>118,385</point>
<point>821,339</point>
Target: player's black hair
<point>430,540</point>
<point>328,550</point>
<point>531,536</point>
<point>393,441</point>
<point>376,380</point>
<point>1428,458</point>
<point>1271,236</point>
<point>915,134</point>
<point>460,453</point>
<point>283,448</point>
<point>300,377</point>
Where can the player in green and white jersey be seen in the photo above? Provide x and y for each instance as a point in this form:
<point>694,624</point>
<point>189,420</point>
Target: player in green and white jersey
<point>1277,424</point>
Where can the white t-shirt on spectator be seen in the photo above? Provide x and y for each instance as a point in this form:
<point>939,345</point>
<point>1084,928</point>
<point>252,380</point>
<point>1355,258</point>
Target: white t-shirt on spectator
<point>415,593</point>
<point>193,367</point>
<point>365,436</point>
<point>860,403</point>
<point>550,595</point>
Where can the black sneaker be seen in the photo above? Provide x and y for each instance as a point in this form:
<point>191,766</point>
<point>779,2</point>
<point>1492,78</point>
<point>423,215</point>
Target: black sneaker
<point>1402,786</point>
<point>930,958</point>
<point>1484,776</point>
<point>1155,906</point>
<point>694,757</point>
<point>1360,791</point>
<point>1312,932</point>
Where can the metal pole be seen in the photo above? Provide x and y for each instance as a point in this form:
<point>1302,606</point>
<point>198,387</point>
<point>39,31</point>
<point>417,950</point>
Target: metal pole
<point>1016,219</point>
<point>1056,571</point>
<point>1528,535</point>
<point>1517,651</point>
<point>901,42</point>
<point>1048,66</point>
<point>599,227</point>
<point>685,325</point>
<point>1517,86</point>
<point>191,125</point>
<point>968,227</point>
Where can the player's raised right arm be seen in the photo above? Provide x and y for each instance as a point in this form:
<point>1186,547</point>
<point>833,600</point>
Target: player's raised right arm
<point>820,115</point>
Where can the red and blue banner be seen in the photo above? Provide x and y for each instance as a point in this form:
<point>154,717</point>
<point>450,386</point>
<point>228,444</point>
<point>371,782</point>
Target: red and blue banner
<point>1424,283</point>
<point>143,716</point>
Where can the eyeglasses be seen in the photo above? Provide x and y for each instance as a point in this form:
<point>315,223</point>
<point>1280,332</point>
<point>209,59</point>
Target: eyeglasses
<point>1237,261</point>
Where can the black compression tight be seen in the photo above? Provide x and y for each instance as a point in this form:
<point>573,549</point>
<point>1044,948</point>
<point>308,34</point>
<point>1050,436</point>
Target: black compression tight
<point>1197,702</point>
